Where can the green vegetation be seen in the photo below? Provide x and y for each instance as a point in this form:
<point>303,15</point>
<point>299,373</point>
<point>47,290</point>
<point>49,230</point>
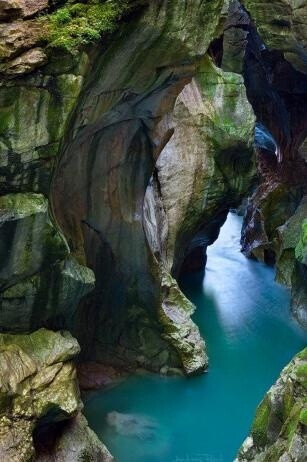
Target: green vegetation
<point>78,24</point>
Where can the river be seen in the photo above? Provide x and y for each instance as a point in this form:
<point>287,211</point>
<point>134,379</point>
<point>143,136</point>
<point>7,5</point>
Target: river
<point>244,317</point>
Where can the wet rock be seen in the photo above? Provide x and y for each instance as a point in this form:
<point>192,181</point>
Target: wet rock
<point>188,197</point>
<point>122,116</point>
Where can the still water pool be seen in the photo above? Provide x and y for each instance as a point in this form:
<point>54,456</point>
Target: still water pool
<point>244,316</point>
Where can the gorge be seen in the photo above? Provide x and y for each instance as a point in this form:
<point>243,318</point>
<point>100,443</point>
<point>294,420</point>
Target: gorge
<point>128,130</point>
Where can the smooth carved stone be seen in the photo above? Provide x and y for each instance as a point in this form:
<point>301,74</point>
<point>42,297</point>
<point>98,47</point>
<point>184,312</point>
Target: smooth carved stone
<point>25,63</point>
<point>17,37</point>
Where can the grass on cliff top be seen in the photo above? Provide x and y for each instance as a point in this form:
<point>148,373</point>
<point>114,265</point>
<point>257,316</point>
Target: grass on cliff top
<point>78,24</point>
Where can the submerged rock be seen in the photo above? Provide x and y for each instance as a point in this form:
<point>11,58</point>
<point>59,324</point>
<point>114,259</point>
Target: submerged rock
<point>278,432</point>
<point>133,425</point>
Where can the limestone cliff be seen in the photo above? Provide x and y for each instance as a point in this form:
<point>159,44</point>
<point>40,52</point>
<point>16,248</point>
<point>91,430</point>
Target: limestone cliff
<point>126,135</point>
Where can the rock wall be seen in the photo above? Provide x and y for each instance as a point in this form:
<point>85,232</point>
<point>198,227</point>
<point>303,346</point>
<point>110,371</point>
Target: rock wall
<point>205,169</point>
<point>277,91</point>
<point>99,185</point>
<point>126,132</point>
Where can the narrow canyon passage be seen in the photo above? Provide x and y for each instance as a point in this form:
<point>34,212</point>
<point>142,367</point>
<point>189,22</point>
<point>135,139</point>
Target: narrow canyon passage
<point>244,317</point>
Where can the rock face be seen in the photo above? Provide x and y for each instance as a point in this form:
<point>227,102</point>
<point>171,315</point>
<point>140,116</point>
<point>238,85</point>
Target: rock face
<point>107,160</point>
<point>120,157</point>
<point>261,43</point>
<point>278,432</point>
<point>206,168</point>
<point>75,442</point>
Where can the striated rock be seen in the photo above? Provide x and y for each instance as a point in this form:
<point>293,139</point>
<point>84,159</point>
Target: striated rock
<point>25,63</point>
<point>270,207</point>
<point>38,383</point>
<point>278,432</point>
<point>153,58</point>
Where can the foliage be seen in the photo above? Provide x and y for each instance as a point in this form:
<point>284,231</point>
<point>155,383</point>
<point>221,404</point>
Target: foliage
<point>77,24</point>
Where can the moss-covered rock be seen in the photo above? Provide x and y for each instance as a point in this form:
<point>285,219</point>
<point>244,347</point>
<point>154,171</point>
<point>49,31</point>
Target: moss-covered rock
<point>78,24</point>
<point>301,248</point>
<point>175,317</point>
<point>33,119</point>
<point>278,432</point>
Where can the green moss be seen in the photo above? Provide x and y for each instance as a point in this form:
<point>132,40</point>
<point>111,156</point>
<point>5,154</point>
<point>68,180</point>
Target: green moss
<point>291,423</point>
<point>301,374</point>
<point>303,416</point>
<point>261,422</point>
<point>79,24</point>
<point>303,354</point>
<point>301,248</point>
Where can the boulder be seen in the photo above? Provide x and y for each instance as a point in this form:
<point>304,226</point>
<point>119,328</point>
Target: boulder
<point>38,384</point>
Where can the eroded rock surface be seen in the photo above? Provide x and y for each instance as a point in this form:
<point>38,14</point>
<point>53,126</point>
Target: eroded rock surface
<point>108,158</point>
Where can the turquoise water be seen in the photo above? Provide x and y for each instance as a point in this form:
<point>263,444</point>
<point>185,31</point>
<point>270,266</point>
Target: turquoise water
<point>244,316</point>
